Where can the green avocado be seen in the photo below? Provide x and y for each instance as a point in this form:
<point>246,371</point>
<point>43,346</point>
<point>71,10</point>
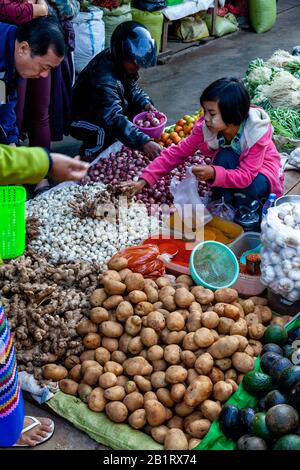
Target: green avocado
<point>257,383</point>
<point>275,334</point>
<point>259,426</point>
<point>288,442</point>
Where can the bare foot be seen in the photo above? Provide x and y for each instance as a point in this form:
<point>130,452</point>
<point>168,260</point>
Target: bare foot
<point>35,435</point>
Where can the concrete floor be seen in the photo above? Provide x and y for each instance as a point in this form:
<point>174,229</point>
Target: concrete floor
<point>175,89</point>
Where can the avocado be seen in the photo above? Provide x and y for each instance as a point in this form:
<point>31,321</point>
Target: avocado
<point>294,396</point>
<point>282,419</point>
<point>261,406</point>
<point>289,377</point>
<point>288,442</point>
<point>288,350</point>
<point>257,383</point>
<point>275,397</point>
<point>294,334</point>
<point>228,422</point>
<point>275,334</point>
<point>248,442</point>
<point>278,366</point>
<point>267,360</point>
<point>245,418</point>
<point>259,426</point>
<point>272,347</point>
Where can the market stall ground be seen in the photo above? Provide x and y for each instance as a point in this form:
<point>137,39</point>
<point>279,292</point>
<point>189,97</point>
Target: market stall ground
<point>229,55</point>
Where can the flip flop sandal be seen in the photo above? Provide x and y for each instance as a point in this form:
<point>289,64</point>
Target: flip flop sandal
<point>35,423</point>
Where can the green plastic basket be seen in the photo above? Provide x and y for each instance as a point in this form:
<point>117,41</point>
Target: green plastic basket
<point>12,221</point>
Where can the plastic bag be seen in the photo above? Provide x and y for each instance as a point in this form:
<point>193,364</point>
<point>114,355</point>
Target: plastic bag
<point>221,209</point>
<point>294,158</point>
<point>192,28</point>
<point>188,202</point>
<point>262,14</point>
<point>143,259</point>
<point>153,22</point>
<point>224,25</point>
<point>112,18</point>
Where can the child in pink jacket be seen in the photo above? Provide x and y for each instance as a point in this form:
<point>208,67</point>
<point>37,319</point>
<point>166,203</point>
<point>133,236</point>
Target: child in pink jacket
<point>245,163</point>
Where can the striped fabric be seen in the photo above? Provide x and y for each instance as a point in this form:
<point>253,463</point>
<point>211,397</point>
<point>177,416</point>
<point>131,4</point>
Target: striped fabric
<point>11,403</point>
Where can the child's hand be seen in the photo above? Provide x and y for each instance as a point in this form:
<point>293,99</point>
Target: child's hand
<point>150,107</point>
<point>204,173</point>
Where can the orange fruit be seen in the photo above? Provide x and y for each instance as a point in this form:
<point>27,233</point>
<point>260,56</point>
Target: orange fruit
<point>168,142</point>
<point>181,122</point>
<point>164,137</point>
<point>181,134</point>
<point>173,134</point>
<point>178,128</point>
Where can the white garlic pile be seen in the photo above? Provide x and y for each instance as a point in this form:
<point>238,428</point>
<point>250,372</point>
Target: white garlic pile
<point>280,256</point>
<point>63,236</point>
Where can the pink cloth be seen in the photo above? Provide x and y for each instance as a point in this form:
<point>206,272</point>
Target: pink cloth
<point>15,12</point>
<point>261,157</point>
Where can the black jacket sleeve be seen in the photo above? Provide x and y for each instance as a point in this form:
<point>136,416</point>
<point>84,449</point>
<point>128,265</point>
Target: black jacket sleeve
<point>135,94</point>
<point>110,115</point>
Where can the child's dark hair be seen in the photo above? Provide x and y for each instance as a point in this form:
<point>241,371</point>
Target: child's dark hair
<point>232,97</point>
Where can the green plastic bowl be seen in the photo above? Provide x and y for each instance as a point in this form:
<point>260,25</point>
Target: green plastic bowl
<point>214,265</point>
<point>12,221</point>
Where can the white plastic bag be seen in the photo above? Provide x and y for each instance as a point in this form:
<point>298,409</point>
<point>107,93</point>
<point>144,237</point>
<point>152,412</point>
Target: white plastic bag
<point>221,209</point>
<point>294,158</point>
<point>89,36</point>
<point>188,202</point>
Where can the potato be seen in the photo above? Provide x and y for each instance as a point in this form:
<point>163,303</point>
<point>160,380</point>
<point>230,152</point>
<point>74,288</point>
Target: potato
<point>150,396</point>
<point>209,319</point>
<point>177,392</point>
<point>98,297</point>
<point>176,374</point>
<point>158,379</point>
<point>192,375</point>
<point>137,366</point>
<point>184,279</point>
<point>175,337</point>
<point>155,412</point>
<point>156,321</point>
<point>258,300</point>
<point>226,295</point>
<point>176,440</point>
<point>92,341</point>
<point>222,391</point>
<point>224,325</point>
<point>239,327</point>
<point>164,396</point>
<point>122,380</point>
<point>189,343</point>
<point>210,409</point>
<point>124,342</point>
<point>183,298</point>
<point>195,307</point>
<point>87,356</point>
<point>204,364</point>
<point>111,344</point>
<point>133,401</point>
<point>149,337</point>
<point>231,374</point>
<point>230,311</point>
<point>159,433</point>
<point>135,346</point>
<point>242,362</point>
<point>152,294</point>
<point>54,372</point>
<point>166,292</point>
<point>92,374</point>
<point>198,391</point>
<point>75,373</point>
<point>198,427</point>
<point>233,384</point>
<point>224,347</point>
<point>256,331</point>
<point>114,367</point>
<point>175,422</point>
<point>112,302</point>
<point>98,315</point>
<point>264,313</point>
<point>215,335</point>
<point>219,309</point>
<point>117,263</point>
<point>203,338</point>
<point>162,281</point>
<point>130,386</point>
<point>194,321</point>
<point>116,411</point>
<point>118,356</point>
<point>223,364</point>
<point>113,287</point>
<point>123,273</point>
<point>112,316</point>
<point>241,310</point>
<point>216,375</point>
<point>161,364</point>
<point>96,400</point>
<point>172,354</point>
<point>137,419</point>
<point>109,274</point>
<point>133,325</point>
<point>134,281</point>
<point>188,358</point>
<point>155,353</point>
<point>68,386</point>
<point>193,443</point>
<point>252,319</point>
<point>143,308</point>
<point>116,393</point>
<point>124,311</point>
<point>86,326</point>
<point>111,329</point>
<point>243,342</point>
<point>84,391</point>
<point>256,346</point>
<point>202,295</point>
<point>248,306</point>
<point>107,380</point>
<point>169,303</point>
<point>137,296</point>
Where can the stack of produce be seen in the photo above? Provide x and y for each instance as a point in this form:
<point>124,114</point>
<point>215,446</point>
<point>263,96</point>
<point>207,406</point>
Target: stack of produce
<point>179,131</point>
<point>274,424</point>
<point>162,357</point>
<point>280,256</point>
<point>88,223</point>
<point>127,165</point>
<point>275,85</point>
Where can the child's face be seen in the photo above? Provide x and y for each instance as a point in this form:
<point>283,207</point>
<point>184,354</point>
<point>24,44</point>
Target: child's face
<point>212,117</point>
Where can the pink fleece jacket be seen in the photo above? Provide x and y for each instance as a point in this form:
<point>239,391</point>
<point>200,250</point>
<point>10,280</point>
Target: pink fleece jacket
<point>259,155</point>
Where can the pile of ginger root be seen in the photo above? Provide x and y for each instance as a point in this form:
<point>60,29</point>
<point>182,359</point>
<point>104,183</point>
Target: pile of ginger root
<point>44,303</point>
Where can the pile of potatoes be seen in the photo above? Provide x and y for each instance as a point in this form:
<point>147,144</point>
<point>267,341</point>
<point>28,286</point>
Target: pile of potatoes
<point>162,357</point>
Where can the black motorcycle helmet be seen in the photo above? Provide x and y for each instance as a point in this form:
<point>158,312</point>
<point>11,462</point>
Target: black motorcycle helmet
<point>132,41</point>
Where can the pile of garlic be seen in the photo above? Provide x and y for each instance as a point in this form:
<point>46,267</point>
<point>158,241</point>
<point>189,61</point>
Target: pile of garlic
<point>280,266</point>
<point>65,237</point>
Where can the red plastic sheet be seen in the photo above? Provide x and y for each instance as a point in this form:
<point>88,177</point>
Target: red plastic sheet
<point>144,259</point>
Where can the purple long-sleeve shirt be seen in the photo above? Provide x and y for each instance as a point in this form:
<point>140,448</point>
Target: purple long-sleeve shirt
<point>15,12</point>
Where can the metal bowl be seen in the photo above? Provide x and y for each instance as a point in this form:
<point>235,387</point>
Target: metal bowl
<point>292,198</point>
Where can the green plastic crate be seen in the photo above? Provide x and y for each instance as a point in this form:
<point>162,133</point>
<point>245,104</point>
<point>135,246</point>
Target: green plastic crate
<point>171,3</point>
<point>12,221</point>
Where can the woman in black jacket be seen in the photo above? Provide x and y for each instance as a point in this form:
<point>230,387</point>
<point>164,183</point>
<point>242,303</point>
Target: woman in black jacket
<point>106,95</point>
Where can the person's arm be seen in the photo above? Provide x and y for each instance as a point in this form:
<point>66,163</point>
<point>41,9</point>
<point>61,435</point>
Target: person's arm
<point>138,97</point>
<point>21,12</point>
<point>9,132</point>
